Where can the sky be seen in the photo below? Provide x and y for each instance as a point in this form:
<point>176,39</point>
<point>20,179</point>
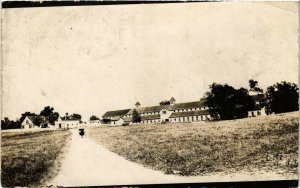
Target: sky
<point>91,59</point>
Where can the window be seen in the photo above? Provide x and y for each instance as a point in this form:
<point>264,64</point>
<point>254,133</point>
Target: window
<point>258,113</point>
<point>164,112</point>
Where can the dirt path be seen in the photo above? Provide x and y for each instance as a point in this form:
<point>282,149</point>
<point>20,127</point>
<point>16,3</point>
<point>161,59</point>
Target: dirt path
<point>89,164</point>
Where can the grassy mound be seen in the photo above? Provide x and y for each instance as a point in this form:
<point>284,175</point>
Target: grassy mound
<point>263,143</point>
<point>29,158</point>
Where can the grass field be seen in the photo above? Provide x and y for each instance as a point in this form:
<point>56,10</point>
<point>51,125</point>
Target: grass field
<point>31,158</point>
<point>267,143</point>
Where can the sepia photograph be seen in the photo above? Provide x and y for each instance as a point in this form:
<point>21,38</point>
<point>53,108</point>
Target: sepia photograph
<point>183,94</point>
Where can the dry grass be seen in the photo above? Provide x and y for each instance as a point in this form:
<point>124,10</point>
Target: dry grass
<point>30,158</point>
<point>263,143</point>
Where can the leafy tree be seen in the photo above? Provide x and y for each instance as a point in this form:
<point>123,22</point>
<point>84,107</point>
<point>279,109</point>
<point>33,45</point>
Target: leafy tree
<point>53,117</point>
<point>9,124</point>
<point>136,118</point>
<point>243,103</point>
<point>254,86</point>
<point>282,97</point>
<point>49,114</point>
<point>93,117</point>
<point>76,116</point>
<point>166,102</point>
<point>37,120</point>
<point>47,111</point>
<point>226,102</point>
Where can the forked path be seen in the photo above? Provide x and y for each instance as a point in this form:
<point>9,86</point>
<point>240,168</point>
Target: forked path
<point>89,164</point>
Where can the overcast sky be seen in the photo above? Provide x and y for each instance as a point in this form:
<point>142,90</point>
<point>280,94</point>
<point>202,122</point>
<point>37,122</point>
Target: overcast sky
<point>90,59</point>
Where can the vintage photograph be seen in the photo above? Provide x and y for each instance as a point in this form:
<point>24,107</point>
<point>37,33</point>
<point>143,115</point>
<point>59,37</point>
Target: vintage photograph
<point>118,94</point>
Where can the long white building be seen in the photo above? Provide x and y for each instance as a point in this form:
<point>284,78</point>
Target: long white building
<point>174,112</point>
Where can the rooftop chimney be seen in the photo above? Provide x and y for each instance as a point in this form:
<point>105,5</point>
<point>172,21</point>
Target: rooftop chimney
<point>172,101</point>
<point>137,105</point>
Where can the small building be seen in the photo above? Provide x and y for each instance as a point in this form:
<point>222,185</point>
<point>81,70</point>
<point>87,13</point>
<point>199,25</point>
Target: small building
<point>114,118</point>
<point>28,122</point>
<point>117,121</point>
<point>67,123</point>
<point>94,123</point>
<point>259,109</point>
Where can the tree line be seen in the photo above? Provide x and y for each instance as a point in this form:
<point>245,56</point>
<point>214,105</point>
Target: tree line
<point>226,102</point>
<point>47,115</point>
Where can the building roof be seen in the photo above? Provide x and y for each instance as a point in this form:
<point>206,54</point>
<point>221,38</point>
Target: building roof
<point>188,105</point>
<point>189,113</point>
<point>115,118</point>
<point>116,113</point>
<point>154,109</point>
<point>143,118</point>
<point>148,109</point>
<point>31,118</point>
<point>127,119</point>
<point>150,117</point>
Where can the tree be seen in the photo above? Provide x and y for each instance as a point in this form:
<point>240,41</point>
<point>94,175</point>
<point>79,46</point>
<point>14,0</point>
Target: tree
<point>243,103</point>
<point>49,114</point>
<point>282,97</point>
<point>254,86</point>
<point>93,117</point>
<point>76,116</point>
<point>53,117</point>
<point>37,120</point>
<point>226,102</point>
<point>9,124</point>
<point>166,102</point>
<point>47,111</point>
<point>136,118</point>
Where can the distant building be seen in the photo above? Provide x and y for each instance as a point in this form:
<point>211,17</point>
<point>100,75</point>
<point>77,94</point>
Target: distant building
<point>67,122</point>
<point>116,117</point>
<point>174,112</point>
<point>181,112</point>
<point>28,122</point>
<point>259,109</point>
<point>95,123</point>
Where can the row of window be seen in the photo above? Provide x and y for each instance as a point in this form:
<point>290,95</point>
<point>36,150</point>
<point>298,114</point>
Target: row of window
<point>182,119</point>
<point>191,118</point>
<point>190,109</point>
<point>151,121</point>
<point>164,112</point>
